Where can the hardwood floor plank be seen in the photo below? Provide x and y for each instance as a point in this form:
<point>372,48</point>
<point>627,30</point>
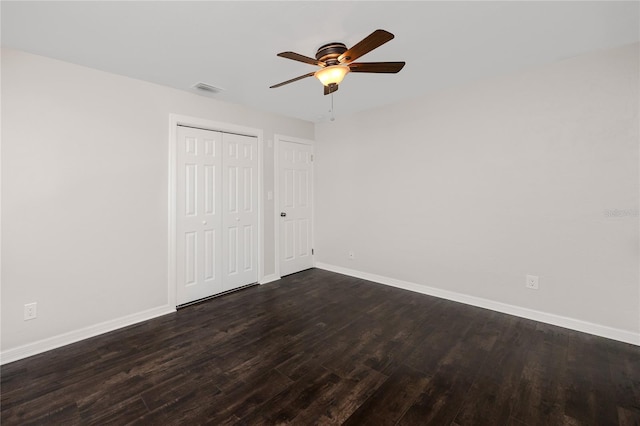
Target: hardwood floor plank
<point>624,364</point>
<point>187,408</point>
<point>589,390</point>
<point>456,371</point>
<point>299,365</point>
<point>114,413</point>
<point>332,408</point>
<point>490,398</point>
<point>540,397</point>
<point>390,401</point>
<point>63,412</point>
<point>628,417</point>
<point>167,392</point>
<point>199,401</point>
<point>299,397</point>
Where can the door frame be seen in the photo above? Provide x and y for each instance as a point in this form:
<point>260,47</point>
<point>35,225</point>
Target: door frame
<point>278,139</point>
<point>216,126</point>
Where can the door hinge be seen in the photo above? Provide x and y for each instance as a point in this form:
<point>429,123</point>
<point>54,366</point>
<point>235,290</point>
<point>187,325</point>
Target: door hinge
<point>312,252</point>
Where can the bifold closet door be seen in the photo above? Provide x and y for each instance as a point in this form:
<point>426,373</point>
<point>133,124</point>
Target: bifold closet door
<point>240,210</point>
<point>216,211</point>
<point>198,214</point>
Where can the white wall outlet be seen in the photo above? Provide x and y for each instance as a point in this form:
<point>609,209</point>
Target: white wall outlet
<point>532,282</point>
<point>351,255</point>
<point>30,311</point>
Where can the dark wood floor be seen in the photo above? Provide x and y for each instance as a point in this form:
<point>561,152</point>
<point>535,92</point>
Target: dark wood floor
<point>322,348</point>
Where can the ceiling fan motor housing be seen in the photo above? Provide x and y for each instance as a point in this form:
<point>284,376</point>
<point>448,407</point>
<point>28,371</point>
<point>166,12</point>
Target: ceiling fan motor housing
<point>329,53</point>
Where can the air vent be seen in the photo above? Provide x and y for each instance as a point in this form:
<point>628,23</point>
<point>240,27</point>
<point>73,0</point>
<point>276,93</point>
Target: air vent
<point>207,88</point>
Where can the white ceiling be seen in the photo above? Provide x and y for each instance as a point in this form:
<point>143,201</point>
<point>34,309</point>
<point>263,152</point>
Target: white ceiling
<point>233,45</point>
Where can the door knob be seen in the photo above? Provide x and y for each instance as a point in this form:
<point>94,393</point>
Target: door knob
<point>204,222</point>
<point>283,214</point>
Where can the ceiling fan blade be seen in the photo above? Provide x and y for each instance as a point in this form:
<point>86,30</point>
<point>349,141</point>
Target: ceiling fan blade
<point>373,40</point>
<point>377,67</point>
<point>333,87</point>
<point>301,58</point>
<point>292,80</point>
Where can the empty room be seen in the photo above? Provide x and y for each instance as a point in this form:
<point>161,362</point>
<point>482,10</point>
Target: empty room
<point>320,213</point>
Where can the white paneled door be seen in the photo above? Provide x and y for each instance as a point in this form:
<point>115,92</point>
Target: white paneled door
<point>240,218</point>
<point>212,191</point>
<point>295,171</point>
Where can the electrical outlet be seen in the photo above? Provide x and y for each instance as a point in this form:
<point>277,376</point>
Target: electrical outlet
<point>532,282</point>
<point>30,311</point>
<point>351,255</point>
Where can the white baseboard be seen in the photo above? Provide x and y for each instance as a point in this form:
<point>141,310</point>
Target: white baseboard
<point>269,278</point>
<point>561,321</point>
<point>44,345</point>
<point>54,342</point>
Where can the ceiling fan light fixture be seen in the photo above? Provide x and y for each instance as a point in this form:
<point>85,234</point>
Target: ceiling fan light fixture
<point>333,74</point>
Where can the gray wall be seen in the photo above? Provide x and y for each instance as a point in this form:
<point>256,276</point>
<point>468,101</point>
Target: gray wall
<point>470,189</point>
<point>84,192</point>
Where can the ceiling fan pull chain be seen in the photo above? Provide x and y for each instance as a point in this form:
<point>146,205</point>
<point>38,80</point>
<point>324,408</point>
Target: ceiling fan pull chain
<point>333,117</point>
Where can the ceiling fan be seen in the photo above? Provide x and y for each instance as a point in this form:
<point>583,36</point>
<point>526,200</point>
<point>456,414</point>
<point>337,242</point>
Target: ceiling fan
<point>335,61</point>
